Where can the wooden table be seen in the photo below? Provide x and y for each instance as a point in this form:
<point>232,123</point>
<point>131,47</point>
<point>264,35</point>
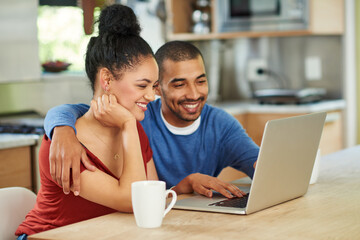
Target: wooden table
<point>329,210</point>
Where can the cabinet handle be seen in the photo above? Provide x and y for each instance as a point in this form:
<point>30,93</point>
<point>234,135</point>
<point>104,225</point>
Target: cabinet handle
<point>332,117</point>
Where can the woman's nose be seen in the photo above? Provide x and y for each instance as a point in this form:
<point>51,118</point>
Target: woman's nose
<point>150,95</point>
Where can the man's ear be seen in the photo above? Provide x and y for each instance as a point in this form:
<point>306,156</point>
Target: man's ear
<point>158,90</point>
<point>105,78</point>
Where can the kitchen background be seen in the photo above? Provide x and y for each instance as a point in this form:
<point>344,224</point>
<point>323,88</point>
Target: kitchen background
<point>293,61</point>
<point>23,85</point>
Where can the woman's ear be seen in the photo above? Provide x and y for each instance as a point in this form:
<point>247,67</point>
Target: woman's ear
<point>105,78</point>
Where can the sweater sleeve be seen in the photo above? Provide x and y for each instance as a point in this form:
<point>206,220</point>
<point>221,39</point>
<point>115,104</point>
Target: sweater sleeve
<point>63,115</point>
<point>239,150</point>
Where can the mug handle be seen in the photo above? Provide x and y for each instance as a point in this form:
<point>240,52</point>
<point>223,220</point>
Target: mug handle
<point>173,201</point>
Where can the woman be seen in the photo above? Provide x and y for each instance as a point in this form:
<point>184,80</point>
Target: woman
<point>122,71</point>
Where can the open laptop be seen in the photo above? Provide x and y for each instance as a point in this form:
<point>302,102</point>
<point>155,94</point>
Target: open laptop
<point>283,170</point>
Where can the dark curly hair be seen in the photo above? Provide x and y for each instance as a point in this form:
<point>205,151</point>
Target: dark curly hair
<point>118,46</point>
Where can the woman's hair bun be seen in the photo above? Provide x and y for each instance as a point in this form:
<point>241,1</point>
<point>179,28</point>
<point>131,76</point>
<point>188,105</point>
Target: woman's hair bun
<point>118,19</point>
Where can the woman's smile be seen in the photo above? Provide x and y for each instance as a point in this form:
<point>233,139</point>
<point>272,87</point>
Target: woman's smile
<point>142,105</point>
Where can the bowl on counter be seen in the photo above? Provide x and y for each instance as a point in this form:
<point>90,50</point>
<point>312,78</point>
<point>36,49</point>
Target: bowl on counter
<point>55,66</point>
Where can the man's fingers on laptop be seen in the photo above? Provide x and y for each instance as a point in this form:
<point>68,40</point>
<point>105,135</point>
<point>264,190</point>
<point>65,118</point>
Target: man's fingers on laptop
<point>220,187</point>
<point>203,191</point>
<point>231,189</point>
<point>208,193</point>
<point>225,192</point>
<point>235,191</point>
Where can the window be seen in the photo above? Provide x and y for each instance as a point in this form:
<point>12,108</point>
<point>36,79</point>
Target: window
<point>61,35</point>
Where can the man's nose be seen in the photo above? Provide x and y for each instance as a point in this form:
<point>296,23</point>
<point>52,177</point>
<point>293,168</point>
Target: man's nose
<point>192,92</point>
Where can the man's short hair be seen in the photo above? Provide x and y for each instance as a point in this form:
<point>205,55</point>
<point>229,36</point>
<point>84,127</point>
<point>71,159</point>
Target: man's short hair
<point>176,51</point>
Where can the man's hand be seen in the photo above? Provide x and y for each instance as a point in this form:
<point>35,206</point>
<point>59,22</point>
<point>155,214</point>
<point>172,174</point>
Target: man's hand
<point>65,154</point>
<point>203,184</point>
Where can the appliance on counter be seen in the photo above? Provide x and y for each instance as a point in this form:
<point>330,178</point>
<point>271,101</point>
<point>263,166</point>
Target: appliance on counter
<point>289,96</point>
<point>261,15</point>
<point>22,123</point>
<point>22,129</point>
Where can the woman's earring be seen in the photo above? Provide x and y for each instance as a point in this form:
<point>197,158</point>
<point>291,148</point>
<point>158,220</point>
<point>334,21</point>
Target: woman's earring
<point>106,88</point>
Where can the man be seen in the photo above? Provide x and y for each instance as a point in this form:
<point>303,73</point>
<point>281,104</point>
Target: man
<point>191,140</point>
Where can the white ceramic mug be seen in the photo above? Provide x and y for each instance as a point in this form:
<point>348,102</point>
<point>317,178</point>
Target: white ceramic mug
<point>149,201</point>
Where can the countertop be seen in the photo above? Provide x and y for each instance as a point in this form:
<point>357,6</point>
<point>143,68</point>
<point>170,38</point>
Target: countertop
<point>8,140</point>
<point>254,107</point>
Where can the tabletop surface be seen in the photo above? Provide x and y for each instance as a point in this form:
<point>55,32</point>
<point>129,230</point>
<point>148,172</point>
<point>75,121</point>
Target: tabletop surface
<point>329,210</point>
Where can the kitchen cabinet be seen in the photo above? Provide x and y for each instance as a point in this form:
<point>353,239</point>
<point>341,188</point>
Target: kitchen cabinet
<point>326,17</point>
<point>332,136</point>
<point>16,167</point>
<point>17,154</point>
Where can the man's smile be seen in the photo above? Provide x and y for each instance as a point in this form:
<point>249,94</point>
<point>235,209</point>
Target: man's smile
<point>191,107</point>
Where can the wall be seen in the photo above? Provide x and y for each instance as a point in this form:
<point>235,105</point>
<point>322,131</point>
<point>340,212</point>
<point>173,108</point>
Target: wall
<point>19,58</point>
<point>357,25</point>
<point>285,56</point>
<point>41,95</point>
<point>151,26</point>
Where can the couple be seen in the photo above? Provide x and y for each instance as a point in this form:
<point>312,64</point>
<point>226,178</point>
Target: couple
<point>180,140</point>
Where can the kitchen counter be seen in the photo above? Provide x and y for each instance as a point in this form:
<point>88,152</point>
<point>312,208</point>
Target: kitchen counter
<point>235,108</point>
<point>17,140</point>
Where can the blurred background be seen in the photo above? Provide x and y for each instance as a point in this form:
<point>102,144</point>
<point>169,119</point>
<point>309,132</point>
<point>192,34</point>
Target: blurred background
<point>265,59</point>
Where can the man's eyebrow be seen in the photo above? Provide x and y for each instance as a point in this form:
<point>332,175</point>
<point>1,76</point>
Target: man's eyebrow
<point>183,79</point>
<point>202,75</point>
<point>174,80</point>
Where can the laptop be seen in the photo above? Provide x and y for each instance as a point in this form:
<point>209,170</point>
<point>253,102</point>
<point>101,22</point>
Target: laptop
<point>283,170</point>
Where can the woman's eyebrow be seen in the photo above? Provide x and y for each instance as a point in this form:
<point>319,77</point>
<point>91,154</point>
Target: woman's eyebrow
<point>144,80</point>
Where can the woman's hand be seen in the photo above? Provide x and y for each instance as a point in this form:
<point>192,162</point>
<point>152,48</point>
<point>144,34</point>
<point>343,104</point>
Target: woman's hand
<point>109,112</point>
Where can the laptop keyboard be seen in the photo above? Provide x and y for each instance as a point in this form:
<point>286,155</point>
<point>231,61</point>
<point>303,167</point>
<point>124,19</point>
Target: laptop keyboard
<point>238,202</point>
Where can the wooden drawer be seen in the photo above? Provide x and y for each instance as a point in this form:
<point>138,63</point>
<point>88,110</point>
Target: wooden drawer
<point>15,167</point>
<point>332,139</point>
